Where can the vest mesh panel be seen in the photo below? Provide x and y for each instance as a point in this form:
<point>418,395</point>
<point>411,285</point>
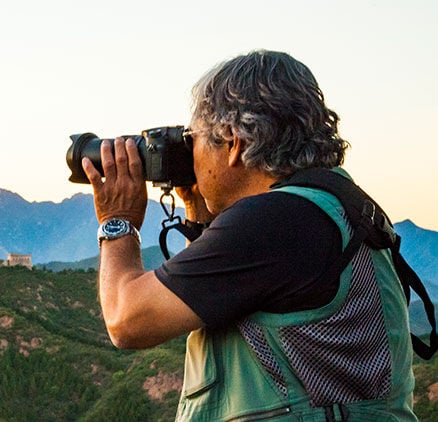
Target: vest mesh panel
<point>346,357</point>
<point>341,359</point>
<point>255,337</point>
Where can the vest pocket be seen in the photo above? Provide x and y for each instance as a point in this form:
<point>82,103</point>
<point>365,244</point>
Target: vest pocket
<point>200,366</point>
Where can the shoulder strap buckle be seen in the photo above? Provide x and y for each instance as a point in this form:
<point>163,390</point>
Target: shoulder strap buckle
<point>369,211</point>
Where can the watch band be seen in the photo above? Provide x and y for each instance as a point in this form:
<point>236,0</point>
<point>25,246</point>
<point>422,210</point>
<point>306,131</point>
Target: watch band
<point>115,228</point>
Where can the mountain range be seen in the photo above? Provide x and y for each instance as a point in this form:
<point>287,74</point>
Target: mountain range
<point>66,232</point>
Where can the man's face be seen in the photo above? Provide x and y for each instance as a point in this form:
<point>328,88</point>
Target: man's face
<point>211,168</point>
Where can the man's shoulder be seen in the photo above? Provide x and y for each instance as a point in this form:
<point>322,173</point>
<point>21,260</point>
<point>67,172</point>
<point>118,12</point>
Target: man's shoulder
<point>273,207</point>
<point>271,200</point>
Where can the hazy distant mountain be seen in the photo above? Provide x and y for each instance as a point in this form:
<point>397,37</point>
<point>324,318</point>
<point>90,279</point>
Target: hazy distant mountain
<point>420,249</point>
<point>64,231</point>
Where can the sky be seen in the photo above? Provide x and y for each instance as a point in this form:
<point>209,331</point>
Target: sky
<point>117,67</point>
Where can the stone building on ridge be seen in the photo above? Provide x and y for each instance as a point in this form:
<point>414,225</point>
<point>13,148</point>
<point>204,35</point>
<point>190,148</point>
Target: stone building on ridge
<point>14,259</point>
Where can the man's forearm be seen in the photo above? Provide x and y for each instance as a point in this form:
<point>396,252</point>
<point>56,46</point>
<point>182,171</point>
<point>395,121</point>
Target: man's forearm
<point>120,264</point>
<point>139,311</point>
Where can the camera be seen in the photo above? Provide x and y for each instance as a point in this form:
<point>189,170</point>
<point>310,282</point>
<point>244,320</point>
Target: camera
<point>165,152</point>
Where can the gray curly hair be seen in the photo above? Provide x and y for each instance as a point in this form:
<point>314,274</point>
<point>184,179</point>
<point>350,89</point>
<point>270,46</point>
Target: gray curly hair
<point>274,104</point>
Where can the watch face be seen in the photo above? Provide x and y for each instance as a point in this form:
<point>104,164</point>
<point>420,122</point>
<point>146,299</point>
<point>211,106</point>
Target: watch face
<point>114,227</point>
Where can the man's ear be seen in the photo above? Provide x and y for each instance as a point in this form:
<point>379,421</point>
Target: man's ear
<point>235,148</point>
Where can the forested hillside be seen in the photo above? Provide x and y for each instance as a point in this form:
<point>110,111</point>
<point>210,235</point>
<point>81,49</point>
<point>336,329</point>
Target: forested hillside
<point>57,363</point>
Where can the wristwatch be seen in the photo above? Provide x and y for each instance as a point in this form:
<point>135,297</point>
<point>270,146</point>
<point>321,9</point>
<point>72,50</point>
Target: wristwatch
<point>115,228</point>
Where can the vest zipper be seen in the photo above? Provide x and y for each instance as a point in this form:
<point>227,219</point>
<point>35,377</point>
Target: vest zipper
<point>262,415</point>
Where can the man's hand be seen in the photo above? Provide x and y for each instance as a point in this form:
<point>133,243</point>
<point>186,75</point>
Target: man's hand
<point>196,209</point>
<point>123,192</point>
<point>139,311</point>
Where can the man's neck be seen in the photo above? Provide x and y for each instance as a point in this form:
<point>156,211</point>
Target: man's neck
<point>251,182</point>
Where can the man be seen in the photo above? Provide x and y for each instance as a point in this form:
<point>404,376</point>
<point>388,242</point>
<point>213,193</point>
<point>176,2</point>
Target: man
<point>274,335</point>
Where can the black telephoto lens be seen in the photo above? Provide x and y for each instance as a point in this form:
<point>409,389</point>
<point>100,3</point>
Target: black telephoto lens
<point>88,145</point>
<point>166,158</point>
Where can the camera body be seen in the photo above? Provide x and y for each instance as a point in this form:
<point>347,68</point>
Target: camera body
<point>166,156</point>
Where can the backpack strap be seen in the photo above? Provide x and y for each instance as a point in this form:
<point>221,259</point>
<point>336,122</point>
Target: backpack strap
<point>372,226</point>
<point>356,203</point>
<point>359,236</point>
<point>410,279</point>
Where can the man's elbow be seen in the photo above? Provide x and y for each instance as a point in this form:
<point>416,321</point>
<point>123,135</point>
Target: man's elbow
<point>123,336</point>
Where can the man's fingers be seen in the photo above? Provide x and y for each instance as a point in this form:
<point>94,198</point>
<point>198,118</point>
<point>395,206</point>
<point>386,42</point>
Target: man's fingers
<point>125,162</point>
<point>108,163</point>
<point>121,157</point>
<point>135,165</point>
<point>90,171</point>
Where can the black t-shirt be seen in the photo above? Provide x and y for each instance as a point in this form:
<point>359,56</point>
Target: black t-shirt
<point>264,253</point>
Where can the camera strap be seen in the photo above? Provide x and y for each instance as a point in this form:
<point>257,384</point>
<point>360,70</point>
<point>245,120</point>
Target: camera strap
<point>184,229</point>
<point>188,229</point>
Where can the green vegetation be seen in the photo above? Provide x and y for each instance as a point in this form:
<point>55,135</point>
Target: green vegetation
<point>152,258</point>
<point>57,363</point>
<point>426,389</point>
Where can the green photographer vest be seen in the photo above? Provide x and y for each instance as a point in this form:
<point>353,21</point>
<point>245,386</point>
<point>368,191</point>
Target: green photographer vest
<point>348,360</point>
